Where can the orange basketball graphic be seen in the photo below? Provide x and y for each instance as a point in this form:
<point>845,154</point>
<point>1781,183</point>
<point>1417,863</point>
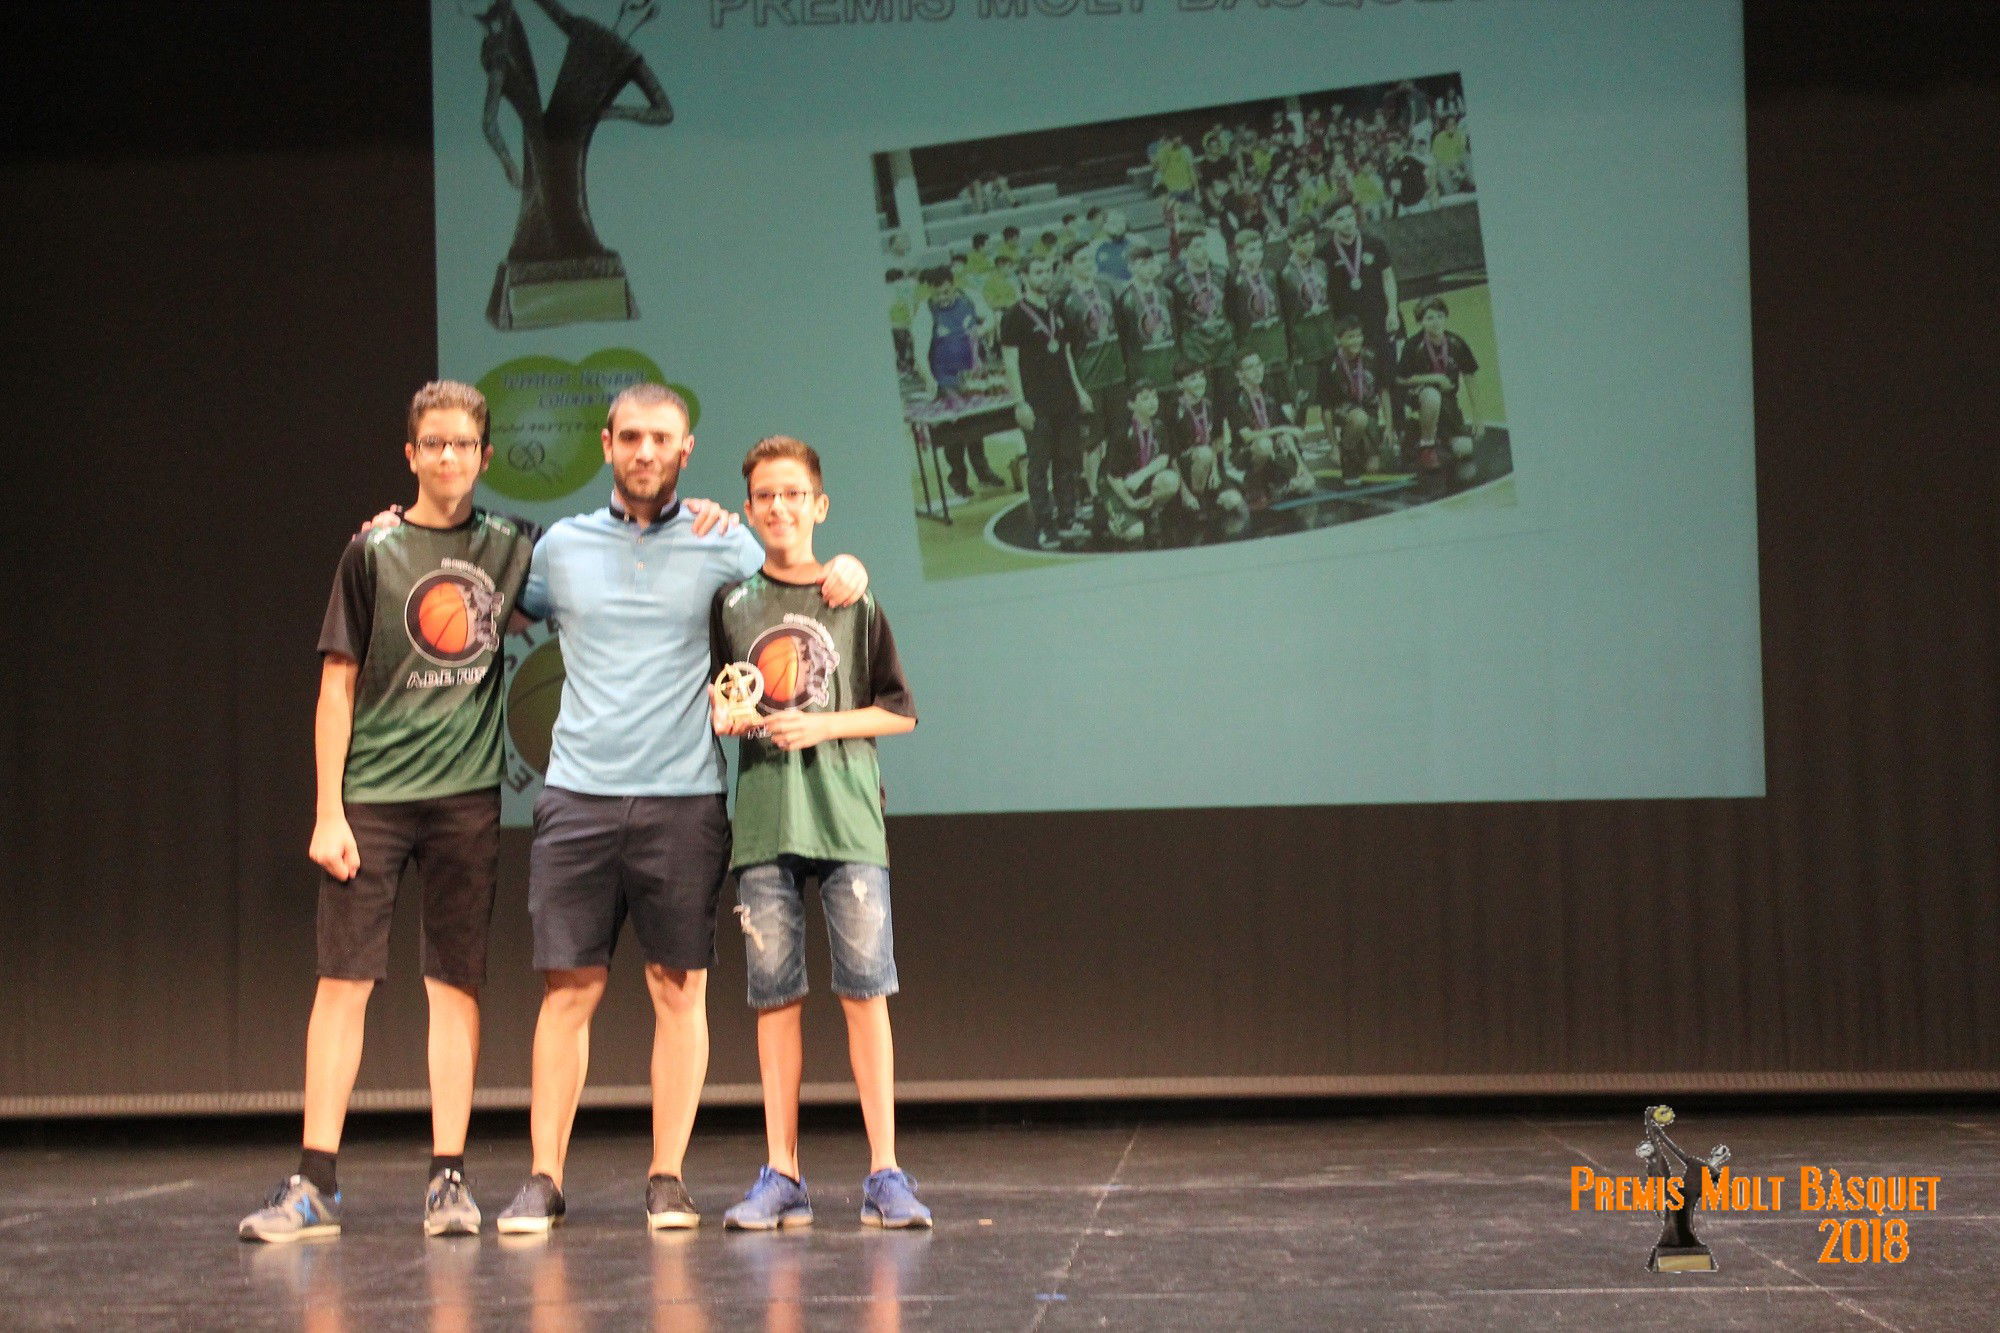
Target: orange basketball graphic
<point>779,662</point>
<point>444,620</point>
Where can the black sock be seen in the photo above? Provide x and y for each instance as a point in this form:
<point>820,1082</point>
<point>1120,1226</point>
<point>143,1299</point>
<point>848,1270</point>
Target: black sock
<point>317,1167</point>
<point>447,1162</point>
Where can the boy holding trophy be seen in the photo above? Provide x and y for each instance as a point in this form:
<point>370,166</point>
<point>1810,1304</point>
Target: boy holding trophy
<point>825,683</point>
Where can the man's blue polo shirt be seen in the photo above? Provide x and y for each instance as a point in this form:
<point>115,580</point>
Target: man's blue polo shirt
<point>631,605</point>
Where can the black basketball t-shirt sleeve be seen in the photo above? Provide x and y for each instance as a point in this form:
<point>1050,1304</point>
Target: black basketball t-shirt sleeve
<point>1014,329</point>
<point>888,688</point>
<point>350,611</point>
<point>1461,350</point>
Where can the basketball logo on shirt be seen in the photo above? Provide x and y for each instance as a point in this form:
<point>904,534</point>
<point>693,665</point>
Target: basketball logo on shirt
<point>797,660</point>
<point>453,615</point>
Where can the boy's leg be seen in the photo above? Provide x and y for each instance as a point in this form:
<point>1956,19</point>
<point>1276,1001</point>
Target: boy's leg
<point>459,853</point>
<point>562,1056</point>
<point>454,1062</point>
<point>353,947</point>
<point>770,906</point>
<point>861,933</point>
<point>333,1058</point>
<point>780,1067</point>
<point>871,1051</point>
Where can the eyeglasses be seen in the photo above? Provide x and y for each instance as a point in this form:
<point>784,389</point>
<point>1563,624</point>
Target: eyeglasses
<point>793,497</point>
<point>433,445</point>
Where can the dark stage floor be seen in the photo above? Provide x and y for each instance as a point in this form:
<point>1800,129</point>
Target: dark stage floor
<point>1379,1220</point>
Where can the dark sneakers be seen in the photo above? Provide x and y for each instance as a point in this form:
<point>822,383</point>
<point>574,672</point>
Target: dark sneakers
<point>535,1209</point>
<point>668,1204</point>
<point>775,1201</point>
<point>296,1211</point>
<point>889,1199</point>
<point>448,1206</point>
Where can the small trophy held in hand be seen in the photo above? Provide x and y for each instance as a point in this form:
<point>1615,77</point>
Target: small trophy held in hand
<point>739,686</point>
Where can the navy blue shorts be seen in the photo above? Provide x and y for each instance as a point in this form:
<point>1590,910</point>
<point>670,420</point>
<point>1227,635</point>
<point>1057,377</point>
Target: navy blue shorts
<point>597,860</point>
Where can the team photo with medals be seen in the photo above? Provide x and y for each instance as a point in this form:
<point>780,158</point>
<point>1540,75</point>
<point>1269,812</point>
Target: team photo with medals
<point>1207,326</point>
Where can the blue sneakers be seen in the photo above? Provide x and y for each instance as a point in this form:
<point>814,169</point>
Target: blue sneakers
<point>296,1211</point>
<point>776,1200</point>
<point>889,1199</point>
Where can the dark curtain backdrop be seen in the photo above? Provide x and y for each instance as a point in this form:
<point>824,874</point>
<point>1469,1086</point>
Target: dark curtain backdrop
<point>220,253</point>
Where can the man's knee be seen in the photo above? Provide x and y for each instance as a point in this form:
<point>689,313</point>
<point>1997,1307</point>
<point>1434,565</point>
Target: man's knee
<point>677,991</point>
<point>572,995</point>
<point>344,994</point>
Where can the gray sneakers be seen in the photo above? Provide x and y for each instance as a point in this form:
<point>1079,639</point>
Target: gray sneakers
<point>296,1211</point>
<point>448,1207</point>
<point>669,1205</point>
<point>535,1209</point>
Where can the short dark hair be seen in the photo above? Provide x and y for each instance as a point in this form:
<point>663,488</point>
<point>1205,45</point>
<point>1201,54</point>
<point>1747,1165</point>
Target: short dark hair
<point>1184,368</point>
<point>446,396</point>
<point>1347,324</point>
<point>1093,212</point>
<point>894,275</point>
<point>979,238</point>
<point>782,446</point>
<point>1430,303</point>
<point>937,275</point>
<point>647,393</point>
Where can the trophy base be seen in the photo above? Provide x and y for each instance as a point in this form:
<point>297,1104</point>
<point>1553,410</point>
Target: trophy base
<point>540,294</point>
<point>1681,1259</point>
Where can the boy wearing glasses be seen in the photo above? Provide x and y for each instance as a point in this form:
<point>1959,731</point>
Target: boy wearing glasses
<point>409,755</point>
<point>809,806</point>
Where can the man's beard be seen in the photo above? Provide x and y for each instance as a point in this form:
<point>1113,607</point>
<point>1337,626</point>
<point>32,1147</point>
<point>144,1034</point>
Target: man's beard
<point>654,487</point>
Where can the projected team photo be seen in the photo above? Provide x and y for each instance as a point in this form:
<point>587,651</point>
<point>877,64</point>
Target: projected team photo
<point>1209,326</point>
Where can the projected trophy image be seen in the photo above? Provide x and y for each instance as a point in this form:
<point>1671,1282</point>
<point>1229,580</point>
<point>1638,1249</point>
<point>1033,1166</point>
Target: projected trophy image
<point>1215,325</point>
<point>556,270</point>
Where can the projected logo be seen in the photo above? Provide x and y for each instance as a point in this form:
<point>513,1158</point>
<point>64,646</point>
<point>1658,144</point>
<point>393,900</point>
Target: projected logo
<point>797,660</point>
<point>547,416</point>
<point>533,697</point>
<point>453,615</point>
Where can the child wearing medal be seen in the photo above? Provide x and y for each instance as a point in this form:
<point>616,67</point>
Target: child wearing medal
<point>1438,367</point>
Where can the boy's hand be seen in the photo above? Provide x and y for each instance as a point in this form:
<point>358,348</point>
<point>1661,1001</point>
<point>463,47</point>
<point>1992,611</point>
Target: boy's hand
<point>709,516</point>
<point>793,730</point>
<point>843,581</point>
<point>719,719</point>
<point>388,518</point>
<point>333,848</point>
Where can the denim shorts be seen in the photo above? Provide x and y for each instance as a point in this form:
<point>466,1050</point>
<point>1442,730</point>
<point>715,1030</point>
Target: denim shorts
<point>770,903</point>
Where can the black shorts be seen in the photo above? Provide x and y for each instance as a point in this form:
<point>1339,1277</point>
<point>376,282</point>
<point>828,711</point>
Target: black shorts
<point>454,841</point>
<point>660,860</point>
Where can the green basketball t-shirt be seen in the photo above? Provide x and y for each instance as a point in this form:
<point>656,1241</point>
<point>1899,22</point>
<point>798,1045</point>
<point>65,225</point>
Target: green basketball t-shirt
<point>423,610</point>
<point>824,802</point>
